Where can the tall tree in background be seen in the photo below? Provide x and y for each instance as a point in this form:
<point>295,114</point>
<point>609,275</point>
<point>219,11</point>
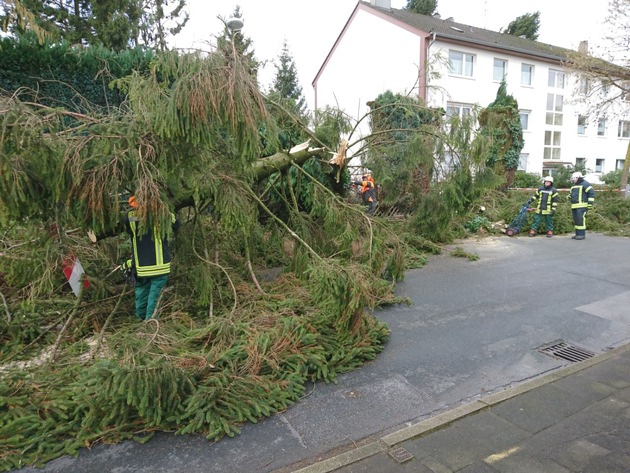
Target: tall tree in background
<point>603,75</point>
<point>425,7</point>
<point>114,25</point>
<point>526,25</point>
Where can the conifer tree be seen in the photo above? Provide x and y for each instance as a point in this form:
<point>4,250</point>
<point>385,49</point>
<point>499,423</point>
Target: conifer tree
<point>500,123</point>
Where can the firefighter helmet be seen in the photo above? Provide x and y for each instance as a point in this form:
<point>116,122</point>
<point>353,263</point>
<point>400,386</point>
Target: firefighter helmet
<point>576,175</point>
<point>548,179</point>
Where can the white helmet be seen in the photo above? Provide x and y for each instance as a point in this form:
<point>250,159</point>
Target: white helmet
<point>576,175</point>
<point>548,179</point>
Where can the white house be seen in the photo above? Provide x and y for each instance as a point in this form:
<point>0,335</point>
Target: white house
<point>381,48</point>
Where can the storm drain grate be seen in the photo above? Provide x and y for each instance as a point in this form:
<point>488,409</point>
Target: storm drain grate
<point>566,351</point>
<point>401,455</point>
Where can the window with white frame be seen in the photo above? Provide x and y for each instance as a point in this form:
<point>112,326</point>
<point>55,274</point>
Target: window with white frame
<point>461,64</point>
<point>555,79</point>
<point>623,131</point>
<point>605,87</point>
<point>527,74</point>
<point>499,71</point>
<point>581,125</point>
<point>619,164</point>
<point>458,110</point>
<point>522,161</point>
<point>601,126</point>
<point>554,109</point>
<point>599,165</point>
<point>580,163</point>
<point>553,141</point>
<point>524,115</point>
<point>583,86</point>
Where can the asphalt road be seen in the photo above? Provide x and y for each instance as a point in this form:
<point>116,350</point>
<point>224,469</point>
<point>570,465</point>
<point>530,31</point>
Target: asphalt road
<point>472,328</point>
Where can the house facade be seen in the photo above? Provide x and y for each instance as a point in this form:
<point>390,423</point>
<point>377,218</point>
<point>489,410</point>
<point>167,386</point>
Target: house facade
<point>459,68</point>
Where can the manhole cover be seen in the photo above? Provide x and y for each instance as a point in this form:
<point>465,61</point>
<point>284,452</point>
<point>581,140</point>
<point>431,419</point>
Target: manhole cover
<point>566,351</point>
<point>400,455</point>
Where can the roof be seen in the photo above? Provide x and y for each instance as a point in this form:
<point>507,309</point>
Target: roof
<point>451,30</point>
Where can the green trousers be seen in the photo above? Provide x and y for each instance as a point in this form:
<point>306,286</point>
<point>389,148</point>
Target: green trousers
<point>147,295</point>
<point>548,218</point>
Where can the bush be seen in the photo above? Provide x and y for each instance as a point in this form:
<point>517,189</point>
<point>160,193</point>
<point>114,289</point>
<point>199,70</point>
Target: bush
<point>612,179</point>
<point>524,179</point>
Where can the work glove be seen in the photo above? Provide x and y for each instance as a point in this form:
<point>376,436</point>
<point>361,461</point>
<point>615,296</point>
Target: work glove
<point>128,271</point>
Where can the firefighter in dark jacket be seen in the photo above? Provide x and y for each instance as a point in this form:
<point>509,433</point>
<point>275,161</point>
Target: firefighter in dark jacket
<point>582,199</point>
<point>546,203</point>
<point>151,261</point>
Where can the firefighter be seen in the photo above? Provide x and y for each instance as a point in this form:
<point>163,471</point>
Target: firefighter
<point>151,261</point>
<point>546,202</point>
<point>582,198</point>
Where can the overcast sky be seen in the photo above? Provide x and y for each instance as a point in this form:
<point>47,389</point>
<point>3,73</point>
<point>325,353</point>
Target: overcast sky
<point>311,27</point>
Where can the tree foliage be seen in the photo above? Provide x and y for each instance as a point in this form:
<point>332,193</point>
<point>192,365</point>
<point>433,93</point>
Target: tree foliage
<point>286,93</point>
<point>112,25</point>
<point>500,122</point>
<point>526,25</point>
<point>401,148</point>
<point>424,7</point>
<point>270,283</point>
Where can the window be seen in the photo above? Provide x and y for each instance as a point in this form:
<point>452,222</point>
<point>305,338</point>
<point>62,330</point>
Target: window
<point>461,64</point>
<point>554,109</point>
<point>605,88</point>
<point>524,114</point>
<point>580,163</point>
<point>581,125</point>
<point>527,74</point>
<point>624,129</point>
<point>619,164</point>
<point>552,145</point>
<point>500,70</point>
<point>556,79</point>
<point>599,165</point>
<point>459,110</point>
<point>583,86</point>
<point>601,126</point>
<point>522,161</point>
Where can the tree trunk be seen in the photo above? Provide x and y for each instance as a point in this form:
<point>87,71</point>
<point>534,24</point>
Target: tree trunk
<point>282,160</point>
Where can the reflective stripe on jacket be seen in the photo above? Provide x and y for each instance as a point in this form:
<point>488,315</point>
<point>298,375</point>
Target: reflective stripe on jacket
<point>582,195</point>
<point>547,200</point>
<point>151,253</point>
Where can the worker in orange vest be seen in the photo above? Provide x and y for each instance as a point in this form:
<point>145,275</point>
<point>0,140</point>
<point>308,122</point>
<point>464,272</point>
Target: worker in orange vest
<point>368,192</point>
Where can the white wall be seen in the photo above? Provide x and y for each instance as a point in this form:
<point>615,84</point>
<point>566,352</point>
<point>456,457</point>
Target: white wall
<point>374,56</point>
<point>481,90</point>
<point>366,63</point>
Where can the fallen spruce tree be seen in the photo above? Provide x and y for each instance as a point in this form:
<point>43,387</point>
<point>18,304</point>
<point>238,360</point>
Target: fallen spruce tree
<point>266,293</point>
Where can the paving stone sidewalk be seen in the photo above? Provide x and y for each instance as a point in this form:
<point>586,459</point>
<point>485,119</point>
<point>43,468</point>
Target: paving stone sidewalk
<point>574,419</point>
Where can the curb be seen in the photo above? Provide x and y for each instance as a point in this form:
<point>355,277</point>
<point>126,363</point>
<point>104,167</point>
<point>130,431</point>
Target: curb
<point>386,442</point>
